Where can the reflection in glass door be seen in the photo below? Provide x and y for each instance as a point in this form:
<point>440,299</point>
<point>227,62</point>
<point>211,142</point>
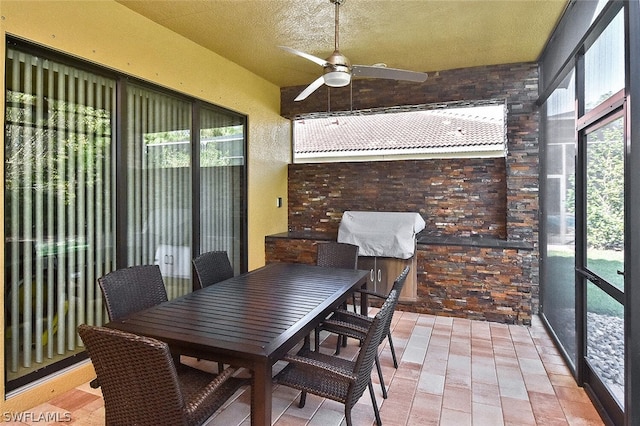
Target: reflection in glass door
<point>604,257</point>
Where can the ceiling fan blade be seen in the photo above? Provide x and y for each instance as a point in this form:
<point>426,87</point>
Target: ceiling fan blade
<point>321,62</point>
<point>310,89</point>
<point>366,71</point>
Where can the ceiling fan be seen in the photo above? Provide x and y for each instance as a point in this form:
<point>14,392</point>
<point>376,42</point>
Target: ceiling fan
<point>338,70</point>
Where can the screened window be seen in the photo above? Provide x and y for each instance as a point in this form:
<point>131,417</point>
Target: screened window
<point>81,201</point>
<point>604,65</point>
<point>402,133</point>
<point>558,297</point>
<point>583,209</point>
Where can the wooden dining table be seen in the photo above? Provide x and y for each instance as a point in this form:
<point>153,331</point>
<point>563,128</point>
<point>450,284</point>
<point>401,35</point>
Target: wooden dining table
<point>251,320</point>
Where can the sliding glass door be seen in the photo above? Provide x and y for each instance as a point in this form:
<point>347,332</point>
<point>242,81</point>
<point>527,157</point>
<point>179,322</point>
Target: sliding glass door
<point>103,172</point>
<point>161,177</point>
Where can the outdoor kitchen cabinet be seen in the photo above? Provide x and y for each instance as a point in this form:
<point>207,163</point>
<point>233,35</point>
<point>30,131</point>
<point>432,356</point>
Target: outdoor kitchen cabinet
<point>384,270</point>
<point>387,244</point>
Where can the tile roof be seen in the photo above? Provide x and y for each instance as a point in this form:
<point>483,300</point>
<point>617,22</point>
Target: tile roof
<point>454,129</point>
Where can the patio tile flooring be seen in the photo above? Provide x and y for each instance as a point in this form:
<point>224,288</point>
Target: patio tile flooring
<point>452,372</point>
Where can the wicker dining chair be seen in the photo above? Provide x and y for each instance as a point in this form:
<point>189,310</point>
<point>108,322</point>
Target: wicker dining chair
<point>142,386</point>
<point>129,290</point>
<point>337,255</point>
<point>345,324</point>
<point>210,268</point>
<point>132,289</point>
<point>336,378</point>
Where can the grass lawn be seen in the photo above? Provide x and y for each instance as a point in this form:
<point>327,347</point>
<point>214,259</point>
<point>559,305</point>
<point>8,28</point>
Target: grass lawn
<point>605,263</point>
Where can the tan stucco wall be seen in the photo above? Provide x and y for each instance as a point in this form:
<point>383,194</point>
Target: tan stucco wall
<point>108,34</point>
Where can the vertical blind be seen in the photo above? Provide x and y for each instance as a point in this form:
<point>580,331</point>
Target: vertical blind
<point>158,152</point>
<point>59,217</point>
<point>221,183</point>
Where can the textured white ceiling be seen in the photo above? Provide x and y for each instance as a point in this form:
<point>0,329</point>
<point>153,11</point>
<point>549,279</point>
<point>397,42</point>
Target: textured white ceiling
<point>418,35</point>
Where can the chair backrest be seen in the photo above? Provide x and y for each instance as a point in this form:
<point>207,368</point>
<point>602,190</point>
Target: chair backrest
<point>338,255</point>
<point>369,349</point>
<point>137,376</point>
<point>210,268</point>
<point>393,298</point>
<point>132,289</point>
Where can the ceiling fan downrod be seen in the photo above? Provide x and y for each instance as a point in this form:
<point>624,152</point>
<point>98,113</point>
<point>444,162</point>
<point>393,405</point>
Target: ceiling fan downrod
<point>337,23</point>
<point>337,70</point>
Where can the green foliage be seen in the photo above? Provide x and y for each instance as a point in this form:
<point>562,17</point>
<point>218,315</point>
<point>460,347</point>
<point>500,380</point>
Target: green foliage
<point>54,147</point>
<point>173,149</point>
<point>51,145</point>
<point>605,187</point>
<point>561,273</point>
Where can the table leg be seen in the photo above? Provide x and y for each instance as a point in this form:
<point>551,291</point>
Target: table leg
<point>364,301</point>
<point>261,393</point>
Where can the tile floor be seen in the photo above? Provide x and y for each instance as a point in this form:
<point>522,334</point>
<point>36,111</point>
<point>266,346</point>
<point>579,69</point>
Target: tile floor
<point>452,372</point>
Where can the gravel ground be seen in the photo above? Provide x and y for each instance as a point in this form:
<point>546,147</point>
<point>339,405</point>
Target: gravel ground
<point>605,350</point>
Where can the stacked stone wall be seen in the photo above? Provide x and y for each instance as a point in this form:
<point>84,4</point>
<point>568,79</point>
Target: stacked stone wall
<point>468,198</point>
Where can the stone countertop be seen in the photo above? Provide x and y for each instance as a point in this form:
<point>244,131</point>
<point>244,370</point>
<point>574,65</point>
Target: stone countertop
<point>473,241</point>
<point>421,239</point>
<point>305,235</point>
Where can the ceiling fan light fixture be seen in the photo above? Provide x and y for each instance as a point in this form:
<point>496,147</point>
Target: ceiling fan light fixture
<point>337,75</point>
<point>337,78</point>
